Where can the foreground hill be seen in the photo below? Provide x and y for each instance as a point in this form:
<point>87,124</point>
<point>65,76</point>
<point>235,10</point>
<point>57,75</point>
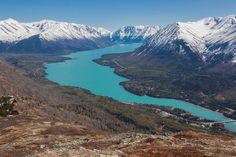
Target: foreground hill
<point>49,139</point>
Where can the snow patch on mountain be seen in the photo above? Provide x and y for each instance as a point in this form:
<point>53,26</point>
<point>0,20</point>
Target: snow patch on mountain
<point>54,30</point>
<point>234,59</point>
<point>134,33</point>
<point>103,31</point>
<point>206,37</point>
<point>49,35</point>
<point>11,31</point>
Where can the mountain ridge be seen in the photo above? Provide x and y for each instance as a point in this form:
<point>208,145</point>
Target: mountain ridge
<point>134,33</point>
<point>50,35</point>
<point>205,37</point>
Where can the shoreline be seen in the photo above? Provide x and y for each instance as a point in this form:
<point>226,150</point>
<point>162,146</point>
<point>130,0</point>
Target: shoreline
<point>167,97</point>
<point>42,78</point>
<point>198,106</point>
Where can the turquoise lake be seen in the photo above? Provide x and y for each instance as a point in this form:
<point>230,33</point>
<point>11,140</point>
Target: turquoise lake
<point>82,72</point>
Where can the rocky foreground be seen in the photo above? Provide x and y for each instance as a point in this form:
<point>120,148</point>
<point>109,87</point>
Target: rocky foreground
<point>38,137</point>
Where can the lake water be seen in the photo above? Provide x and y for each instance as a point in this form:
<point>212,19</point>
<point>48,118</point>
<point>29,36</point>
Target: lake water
<point>82,72</point>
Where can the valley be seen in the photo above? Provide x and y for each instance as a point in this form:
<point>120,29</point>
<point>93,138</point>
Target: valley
<point>58,103</point>
<point>69,103</point>
<point>62,120</point>
<point>187,61</point>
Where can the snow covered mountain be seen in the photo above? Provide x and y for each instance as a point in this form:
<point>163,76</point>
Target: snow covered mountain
<point>53,36</point>
<point>53,30</point>
<point>209,38</point>
<point>11,31</point>
<point>134,33</point>
<point>47,35</point>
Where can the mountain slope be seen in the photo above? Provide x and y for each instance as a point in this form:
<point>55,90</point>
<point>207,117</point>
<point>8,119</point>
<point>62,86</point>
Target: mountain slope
<point>133,33</point>
<point>206,38</point>
<point>54,36</point>
<point>12,31</point>
<point>47,35</point>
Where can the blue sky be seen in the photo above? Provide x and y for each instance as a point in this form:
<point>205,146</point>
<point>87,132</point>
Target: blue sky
<point>112,14</point>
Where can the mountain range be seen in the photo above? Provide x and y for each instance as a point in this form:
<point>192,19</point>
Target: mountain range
<point>207,39</point>
<point>47,35</point>
<point>50,36</point>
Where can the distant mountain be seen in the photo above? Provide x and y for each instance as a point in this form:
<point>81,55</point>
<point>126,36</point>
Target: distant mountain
<point>128,34</point>
<point>13,31</point>
<point>211,39</point>
<point>54,36</point>
<point>47,36</point>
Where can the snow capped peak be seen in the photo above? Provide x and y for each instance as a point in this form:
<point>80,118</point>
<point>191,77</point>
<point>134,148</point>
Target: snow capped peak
<point>133,28</point>
<point>230,17</point>
<point>185,32</point>
<point>227,22</point>
<point>198,30</point>
<point>47,21</point>
<point>206,37</point>
<point>55,30</point>
<point>51,23</point>
<point>9,20</point>
<point>49,35</point>
<point>210,20</point>
<point>103,31</point>
<point>50,30</point>
<point>134,33</point>
<point>13,31</point>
